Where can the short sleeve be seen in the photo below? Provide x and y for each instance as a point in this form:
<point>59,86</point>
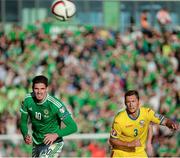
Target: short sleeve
<point>116,130</point>
<point>154,117</point>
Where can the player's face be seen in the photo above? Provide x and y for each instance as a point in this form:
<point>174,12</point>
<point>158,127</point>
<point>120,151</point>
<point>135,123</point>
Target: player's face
<point>132,103</point>
<point>40,91</point>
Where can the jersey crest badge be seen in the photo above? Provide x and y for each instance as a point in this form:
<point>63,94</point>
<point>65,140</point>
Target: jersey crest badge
<point>46,112</point>
<point>142,123</point>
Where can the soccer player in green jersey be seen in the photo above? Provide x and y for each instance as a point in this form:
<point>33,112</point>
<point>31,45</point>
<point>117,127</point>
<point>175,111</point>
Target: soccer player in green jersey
<point>130,127</point>
<point>46,114</point>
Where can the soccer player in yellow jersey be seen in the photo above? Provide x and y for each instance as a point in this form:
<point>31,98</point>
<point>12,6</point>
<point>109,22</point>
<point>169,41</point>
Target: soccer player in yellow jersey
<point>130,127</point>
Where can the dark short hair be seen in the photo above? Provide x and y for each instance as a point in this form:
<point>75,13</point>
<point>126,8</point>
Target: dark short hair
<point>40,79</point>
<point>132,92</point>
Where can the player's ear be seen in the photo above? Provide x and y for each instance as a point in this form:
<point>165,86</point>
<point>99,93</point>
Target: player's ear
<point>140,103</point>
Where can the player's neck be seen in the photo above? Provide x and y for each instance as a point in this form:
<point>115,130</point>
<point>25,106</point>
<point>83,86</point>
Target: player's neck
<point>41,101</point>
<point>134,115</point>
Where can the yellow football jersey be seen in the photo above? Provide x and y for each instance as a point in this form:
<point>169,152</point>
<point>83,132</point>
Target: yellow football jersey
<point>128,129</point>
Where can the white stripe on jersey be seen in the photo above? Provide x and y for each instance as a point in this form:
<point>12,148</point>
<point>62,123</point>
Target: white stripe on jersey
<point>28,95</point>
<point>21,110</point>
<point>54,101</point>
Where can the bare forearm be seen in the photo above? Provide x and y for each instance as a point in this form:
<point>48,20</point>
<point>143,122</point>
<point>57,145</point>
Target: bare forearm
<point>116,142</point>
<point>150,134</point>
<point>119,143</point>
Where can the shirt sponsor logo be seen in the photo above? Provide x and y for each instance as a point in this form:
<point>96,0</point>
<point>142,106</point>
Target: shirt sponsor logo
<point>46,116</point>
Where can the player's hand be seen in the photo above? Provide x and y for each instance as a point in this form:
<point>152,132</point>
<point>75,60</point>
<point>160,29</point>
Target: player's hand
<point>134,143</point>
<point>50,138</point>
<point>28,139</point>
<point>175,126</point>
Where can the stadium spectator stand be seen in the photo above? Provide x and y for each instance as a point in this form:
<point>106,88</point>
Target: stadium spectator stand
<point>90,68</point>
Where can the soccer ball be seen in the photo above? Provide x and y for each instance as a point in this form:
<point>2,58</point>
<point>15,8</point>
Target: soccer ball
<point>63,9</point>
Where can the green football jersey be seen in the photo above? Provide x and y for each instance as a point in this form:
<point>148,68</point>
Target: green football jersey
<point>45,116</point>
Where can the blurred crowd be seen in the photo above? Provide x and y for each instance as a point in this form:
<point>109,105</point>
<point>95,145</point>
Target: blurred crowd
<point>90,68</point>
